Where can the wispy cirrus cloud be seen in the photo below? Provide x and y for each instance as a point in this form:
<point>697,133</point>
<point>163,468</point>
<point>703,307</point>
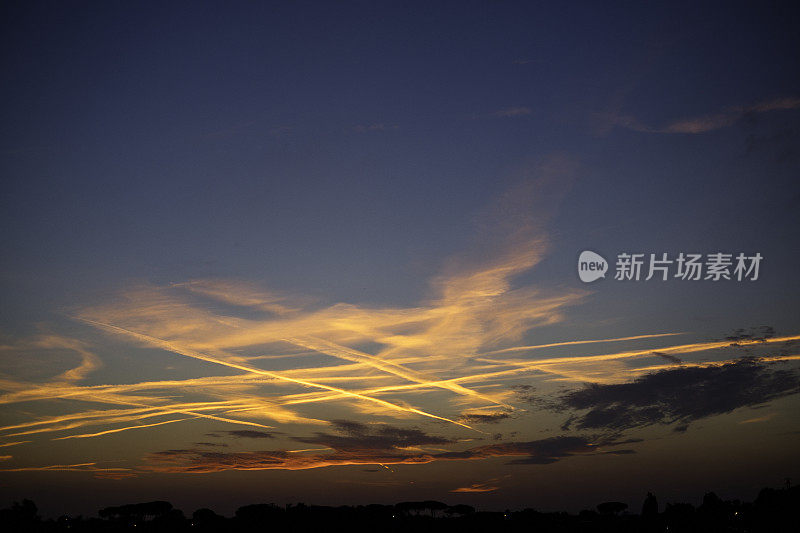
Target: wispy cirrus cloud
<point>382,360</point>
<point>91,467</point>
<point>371,452</point>
<point>485,486</point>
<point>270,360</point>
<point>705,123</point>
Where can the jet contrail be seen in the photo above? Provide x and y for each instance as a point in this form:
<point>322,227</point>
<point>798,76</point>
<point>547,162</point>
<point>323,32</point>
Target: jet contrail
<point>203,357</point>
<point>572,343</point>
<point>545,364</point>
<point>87,435</point>
<point>349,354</point>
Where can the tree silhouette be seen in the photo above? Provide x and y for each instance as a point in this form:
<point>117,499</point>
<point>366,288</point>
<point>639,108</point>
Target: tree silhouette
<point>774,511</point>
<point>611,508</point>
<point>21,516</point>
<point>462,510</point>
<point>650,506</point>
<point>136,512</point>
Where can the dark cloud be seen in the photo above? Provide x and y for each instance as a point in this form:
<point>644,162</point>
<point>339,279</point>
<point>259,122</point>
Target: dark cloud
<point>359,436</point>
<point>679,395</point>
<point>613,440</point>
<point>211,444</point>
<point>668,357</point>
<point>619,452</point>
<point>550,450</point>
<point>568,422</point>
<point>370,452</point>
<point>760,333</point>
<point>524,393</point>
<point>543,451</point>
<point>483,418</point>
<point>350,427</point>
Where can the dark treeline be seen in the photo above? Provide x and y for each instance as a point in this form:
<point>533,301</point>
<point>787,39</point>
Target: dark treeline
<point>774,510</point>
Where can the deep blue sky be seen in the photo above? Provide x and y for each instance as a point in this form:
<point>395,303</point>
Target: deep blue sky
<point>349,152</point>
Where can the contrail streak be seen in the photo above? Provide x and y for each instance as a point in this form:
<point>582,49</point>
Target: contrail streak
<point>126,415</point>
<point>13,443</point>
<point>350,354</point>
<point>202,357</point>
<point>572,343</point>
<point>50,467</point>
<point>78,467</point>
<point>87,435</point>
<point>683,348</point>
<point>115,415</point>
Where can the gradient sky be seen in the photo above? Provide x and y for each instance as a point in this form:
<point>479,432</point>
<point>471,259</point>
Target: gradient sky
<point>327,252</point>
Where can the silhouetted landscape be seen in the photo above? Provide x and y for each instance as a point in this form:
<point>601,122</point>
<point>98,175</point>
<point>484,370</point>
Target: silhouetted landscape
<point>774,510</point>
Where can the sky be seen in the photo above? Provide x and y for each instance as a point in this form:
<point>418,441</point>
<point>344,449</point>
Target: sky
<point>329,252</point>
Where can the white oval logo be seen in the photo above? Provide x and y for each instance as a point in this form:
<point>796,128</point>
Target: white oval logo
<point>591,266</point>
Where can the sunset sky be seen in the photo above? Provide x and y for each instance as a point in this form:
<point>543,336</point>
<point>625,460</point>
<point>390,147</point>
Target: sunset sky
<point>328,252</point>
